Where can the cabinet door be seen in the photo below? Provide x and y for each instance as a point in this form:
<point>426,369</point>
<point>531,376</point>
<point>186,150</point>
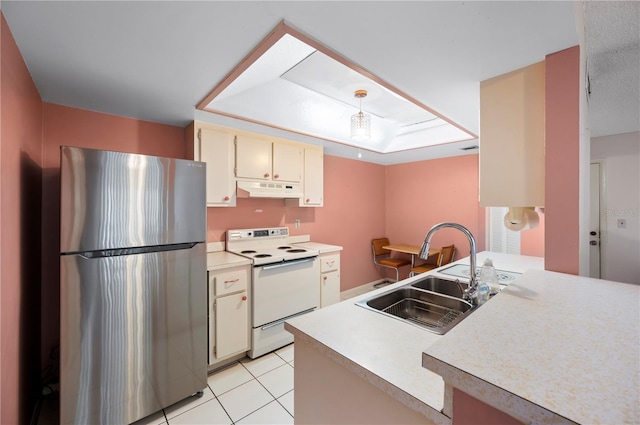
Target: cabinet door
<point>512,125</point>
<point>216,149</point>
<point>313,177</point>
<point>287,162</point>
<point>232,322</point>
<point>329,288</point>
<point>253,158</point>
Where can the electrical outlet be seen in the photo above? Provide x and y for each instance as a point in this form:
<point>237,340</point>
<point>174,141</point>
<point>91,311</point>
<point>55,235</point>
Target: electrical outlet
<point>297,223</point>
<point>622,223</point>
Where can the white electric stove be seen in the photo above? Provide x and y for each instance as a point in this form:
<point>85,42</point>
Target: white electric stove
<point>285,283</point>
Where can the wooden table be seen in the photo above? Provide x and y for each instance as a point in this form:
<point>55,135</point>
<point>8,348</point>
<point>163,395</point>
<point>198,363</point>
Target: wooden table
<point>410,249</point>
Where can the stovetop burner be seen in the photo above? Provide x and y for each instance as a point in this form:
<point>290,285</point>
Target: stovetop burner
<point>267,245</point>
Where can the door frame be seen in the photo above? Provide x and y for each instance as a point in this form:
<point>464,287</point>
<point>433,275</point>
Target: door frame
<point>602,215</point>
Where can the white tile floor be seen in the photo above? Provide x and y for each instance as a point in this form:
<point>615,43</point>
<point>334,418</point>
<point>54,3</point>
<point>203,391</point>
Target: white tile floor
<point>258,391</point>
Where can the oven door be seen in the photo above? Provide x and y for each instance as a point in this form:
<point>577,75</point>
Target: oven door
<point>284,289</point>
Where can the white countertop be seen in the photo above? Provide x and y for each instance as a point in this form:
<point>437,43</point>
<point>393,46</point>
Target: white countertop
<point>223,259</point>
<point>321,247</point>
<point>384,351</point>
<point>550,348</point>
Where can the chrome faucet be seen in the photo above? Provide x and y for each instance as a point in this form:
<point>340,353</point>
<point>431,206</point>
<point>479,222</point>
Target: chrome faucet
<point>473,282</point>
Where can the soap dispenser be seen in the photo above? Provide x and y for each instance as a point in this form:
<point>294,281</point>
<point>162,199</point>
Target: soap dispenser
<point>489,276</point>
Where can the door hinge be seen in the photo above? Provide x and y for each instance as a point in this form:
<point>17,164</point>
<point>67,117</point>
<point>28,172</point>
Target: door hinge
<point>200,135</point>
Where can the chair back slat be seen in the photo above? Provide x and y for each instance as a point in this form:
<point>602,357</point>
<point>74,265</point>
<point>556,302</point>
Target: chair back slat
<point>377,245</point>
<point>446,255</point>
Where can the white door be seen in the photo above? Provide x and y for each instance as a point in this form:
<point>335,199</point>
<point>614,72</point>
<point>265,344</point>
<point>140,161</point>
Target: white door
<point>594,221</point>
<point>501,239</point>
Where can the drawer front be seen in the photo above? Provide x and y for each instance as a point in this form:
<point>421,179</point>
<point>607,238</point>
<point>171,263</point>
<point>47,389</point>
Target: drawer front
<point>329,263</point>
<point>229,282</point>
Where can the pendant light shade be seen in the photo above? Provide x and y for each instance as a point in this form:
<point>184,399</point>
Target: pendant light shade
<point>360,122</point>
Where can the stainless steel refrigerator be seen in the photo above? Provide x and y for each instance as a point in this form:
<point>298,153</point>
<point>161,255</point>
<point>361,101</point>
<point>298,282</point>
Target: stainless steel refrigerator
<point>133,307</point>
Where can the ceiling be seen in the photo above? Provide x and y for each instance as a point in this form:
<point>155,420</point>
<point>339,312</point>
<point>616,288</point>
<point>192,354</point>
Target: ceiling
<point>156,61</point>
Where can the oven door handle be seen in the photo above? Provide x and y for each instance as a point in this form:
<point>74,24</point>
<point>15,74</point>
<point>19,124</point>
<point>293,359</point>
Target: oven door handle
<point>277,322</point>
<point>287,263</point>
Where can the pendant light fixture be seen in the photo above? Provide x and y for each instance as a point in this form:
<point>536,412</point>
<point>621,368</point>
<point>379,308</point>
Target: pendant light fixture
<point>360,123</point>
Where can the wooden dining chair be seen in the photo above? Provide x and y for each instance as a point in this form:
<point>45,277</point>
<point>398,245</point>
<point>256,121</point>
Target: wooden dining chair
<point>445,256</point>
<point>382,257</point>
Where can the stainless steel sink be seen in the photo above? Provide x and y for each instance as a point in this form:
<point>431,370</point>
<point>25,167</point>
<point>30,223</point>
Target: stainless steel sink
<point>433,311</point>
<point>454,288</point>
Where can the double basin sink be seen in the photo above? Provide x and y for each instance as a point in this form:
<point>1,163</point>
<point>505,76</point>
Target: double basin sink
<point>432,303</point>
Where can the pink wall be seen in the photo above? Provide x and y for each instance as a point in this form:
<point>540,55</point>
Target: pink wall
<point>20,205</point>
<point>562,155</point>
<point>422,194</point>
<point>532,241</point>
<point>353,214</point>
<point>76,127</point>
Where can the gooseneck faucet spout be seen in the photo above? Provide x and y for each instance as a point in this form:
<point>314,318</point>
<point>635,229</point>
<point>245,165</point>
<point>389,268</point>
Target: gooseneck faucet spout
<point>424,253</point>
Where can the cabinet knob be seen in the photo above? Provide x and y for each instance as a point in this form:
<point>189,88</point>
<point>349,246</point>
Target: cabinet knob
<point>324,277</point>
<point>244,298</point>
<point>266,174</point>
<point>276,176</point>
<point>226,198</point>
<point>307,200</point>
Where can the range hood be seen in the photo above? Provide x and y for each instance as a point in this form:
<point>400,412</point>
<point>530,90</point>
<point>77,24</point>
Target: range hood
<point>256,189</point>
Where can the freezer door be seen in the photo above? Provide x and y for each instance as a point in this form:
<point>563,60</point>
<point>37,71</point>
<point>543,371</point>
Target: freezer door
<point>133,334</point>
<point>115,200</point>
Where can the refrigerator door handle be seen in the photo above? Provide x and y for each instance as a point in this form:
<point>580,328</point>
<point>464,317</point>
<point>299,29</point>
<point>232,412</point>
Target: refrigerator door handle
<point>103,253</point>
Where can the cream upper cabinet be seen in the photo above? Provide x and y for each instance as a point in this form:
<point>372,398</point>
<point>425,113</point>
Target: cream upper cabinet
<point>287,162</point>
<point>253,158</point>
<point>512,128</point>
<point>263,159</point>
<point>313,179</point>
<point>214,146</point>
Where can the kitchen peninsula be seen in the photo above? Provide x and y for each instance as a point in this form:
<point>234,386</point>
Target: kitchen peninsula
<point>540,351</point>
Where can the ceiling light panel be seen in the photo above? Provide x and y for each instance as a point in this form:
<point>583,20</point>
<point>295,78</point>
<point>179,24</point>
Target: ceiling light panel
<point>296,86</point>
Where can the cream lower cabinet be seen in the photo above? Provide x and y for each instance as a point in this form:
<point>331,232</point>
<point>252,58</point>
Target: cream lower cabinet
<point>229,310</point>
<point>329,278</point>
